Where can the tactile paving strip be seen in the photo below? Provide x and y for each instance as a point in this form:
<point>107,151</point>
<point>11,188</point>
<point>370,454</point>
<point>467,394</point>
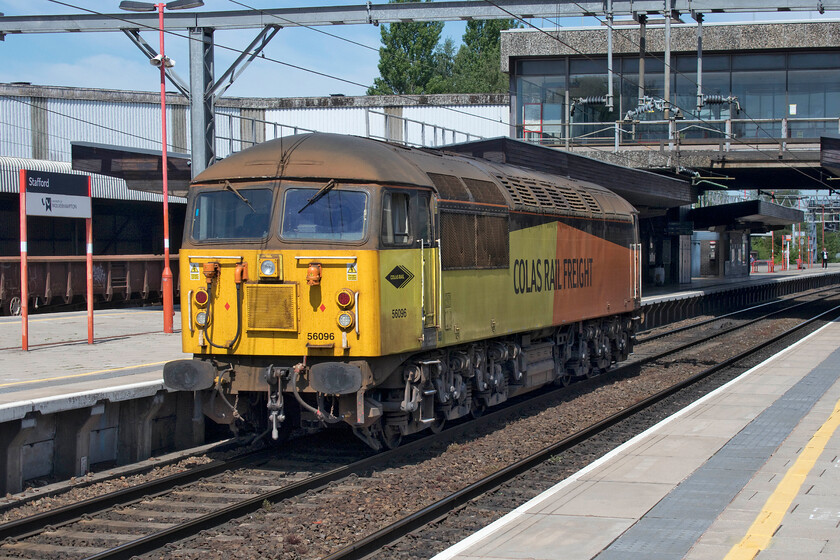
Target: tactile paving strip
<point>671,527</point>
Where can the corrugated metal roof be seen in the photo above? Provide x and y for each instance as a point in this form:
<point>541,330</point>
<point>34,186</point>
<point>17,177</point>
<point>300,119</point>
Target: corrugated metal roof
<point>101,185</point>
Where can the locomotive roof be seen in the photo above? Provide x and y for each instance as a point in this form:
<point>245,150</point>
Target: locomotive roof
<point>318,156</point>
<point>459,178</point>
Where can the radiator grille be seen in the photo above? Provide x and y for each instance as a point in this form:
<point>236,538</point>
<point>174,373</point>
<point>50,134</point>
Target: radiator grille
<point>449,187</point>
<point>271,307</point>
<point>553,198</point>
<point>485,191</point>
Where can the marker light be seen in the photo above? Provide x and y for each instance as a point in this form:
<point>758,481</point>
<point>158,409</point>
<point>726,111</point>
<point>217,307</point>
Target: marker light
<point>344,298</point>
<point>202,319</point>
<point>201,297</point>
<point>345,320</point>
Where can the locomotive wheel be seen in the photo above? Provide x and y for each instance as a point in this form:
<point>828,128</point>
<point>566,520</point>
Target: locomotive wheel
<point>391,436</point>
<point>13,306</point>
<point>564,379</point>
<point>437,426</point>
<point>477,409</point>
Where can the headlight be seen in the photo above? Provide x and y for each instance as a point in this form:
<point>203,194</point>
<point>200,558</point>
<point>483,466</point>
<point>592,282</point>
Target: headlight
<point>202,319</point>
<point>268,268</point>
<point>345,320</point>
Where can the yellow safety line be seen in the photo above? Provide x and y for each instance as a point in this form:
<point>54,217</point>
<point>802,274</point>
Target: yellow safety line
<point>79,374</point>
<point>767,523</point>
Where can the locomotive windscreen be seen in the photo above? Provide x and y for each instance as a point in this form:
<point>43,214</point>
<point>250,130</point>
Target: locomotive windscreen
<point>338,215</point>
<point>242,213</point>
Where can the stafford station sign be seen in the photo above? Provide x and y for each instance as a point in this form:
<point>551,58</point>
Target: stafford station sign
<point>58,195</point>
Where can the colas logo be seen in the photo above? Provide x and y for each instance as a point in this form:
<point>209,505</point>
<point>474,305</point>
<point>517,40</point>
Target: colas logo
<point>399,277</point>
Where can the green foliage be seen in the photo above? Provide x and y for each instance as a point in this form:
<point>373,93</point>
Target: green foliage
<point>407,57</point>
<point>761,245</point>
<point>411,61</point>
<point>477,64</point>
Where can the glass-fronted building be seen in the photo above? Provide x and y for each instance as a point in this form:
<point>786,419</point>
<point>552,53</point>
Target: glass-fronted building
<point>758,81</point>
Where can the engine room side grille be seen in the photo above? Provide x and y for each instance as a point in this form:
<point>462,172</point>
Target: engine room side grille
<point>271,307</point>
<point>474,241</point>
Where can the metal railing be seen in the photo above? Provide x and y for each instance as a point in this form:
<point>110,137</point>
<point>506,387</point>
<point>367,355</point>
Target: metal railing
<point>672,133</point>
<point>236,132</point>
<point>408,131</point>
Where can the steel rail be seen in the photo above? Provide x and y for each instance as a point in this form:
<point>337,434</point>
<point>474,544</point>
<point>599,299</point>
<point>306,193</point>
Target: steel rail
<point>36,524</point>
<point>397,530</point>
<point>712,336</point>
<point>157,540</point>
<point>29,526</point>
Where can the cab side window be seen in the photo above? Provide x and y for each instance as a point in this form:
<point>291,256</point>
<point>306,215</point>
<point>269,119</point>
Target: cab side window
<point>395,218</point>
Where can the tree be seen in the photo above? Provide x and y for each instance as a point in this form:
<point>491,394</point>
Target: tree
<point>444,59</point>
<point>477,68</point>
<point>407,57</point>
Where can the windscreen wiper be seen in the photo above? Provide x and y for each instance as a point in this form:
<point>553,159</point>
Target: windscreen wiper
<point>231,188</point>
<point>318,195</point>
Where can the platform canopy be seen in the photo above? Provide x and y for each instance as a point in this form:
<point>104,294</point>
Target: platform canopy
<point>830,155</point>
<point>756,215</point>
<point>650,193</point>
<point>140,169</point>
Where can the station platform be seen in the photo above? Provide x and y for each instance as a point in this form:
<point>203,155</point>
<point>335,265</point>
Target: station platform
<point>706,285</point>
<point>61,371</point>
<point>750,471</point>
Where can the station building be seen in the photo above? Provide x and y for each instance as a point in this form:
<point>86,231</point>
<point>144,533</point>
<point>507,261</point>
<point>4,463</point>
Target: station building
<point>737,107</point>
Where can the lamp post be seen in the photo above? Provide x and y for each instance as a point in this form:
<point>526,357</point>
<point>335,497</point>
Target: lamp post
<point>163,62</point>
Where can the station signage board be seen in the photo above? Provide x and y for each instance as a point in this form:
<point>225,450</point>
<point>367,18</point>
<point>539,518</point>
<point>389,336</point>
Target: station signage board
<point>56,195</point>
<point>679,228</point>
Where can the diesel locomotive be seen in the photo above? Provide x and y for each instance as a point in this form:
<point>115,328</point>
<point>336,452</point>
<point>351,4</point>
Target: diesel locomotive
<point>332,279</point>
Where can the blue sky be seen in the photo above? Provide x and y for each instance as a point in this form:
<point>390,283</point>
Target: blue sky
<point>110,60</point>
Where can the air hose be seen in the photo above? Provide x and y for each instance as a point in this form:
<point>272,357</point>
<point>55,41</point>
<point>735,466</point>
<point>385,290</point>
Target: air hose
<point>328,417</point>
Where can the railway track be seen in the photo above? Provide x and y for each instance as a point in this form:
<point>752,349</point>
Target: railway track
<point>145,519</point>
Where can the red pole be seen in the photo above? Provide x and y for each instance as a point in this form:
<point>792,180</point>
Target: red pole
<point>89,266</point>
<point>823,226</point>
<point>24,277</point>
<point>166,278</point>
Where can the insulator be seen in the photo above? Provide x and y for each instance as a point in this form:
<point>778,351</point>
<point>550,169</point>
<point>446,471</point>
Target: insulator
<point>591,100</point>
<point>715,99</point>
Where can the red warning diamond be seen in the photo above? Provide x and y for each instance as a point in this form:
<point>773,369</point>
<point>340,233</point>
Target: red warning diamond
<point>227,306</point>
<point>322,307</point>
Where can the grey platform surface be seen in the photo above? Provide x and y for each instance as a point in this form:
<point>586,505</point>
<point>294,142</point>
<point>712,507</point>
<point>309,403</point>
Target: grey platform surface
<point>62,371</point>
<point>750,471</point>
